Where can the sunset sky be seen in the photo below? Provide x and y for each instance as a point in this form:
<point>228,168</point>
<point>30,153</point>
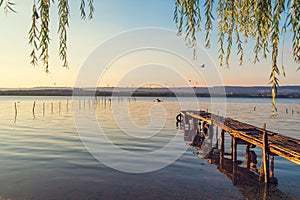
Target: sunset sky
<point>112,18</point>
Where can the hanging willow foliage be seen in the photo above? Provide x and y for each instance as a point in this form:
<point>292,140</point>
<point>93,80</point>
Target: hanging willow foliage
<point>63,13</point>
<point>39,38</point>
<point>238,20</point>
<point>39,31</point>
<point>258,20</point>
<point>8,5</point>
<point>187,14</point>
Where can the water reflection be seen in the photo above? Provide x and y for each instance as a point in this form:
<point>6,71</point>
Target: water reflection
<point>247,178</point>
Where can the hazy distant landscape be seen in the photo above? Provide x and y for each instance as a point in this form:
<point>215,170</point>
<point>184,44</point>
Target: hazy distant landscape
<point>231,91</point>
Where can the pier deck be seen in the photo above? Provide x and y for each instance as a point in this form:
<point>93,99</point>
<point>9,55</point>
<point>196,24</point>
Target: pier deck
<point>278,144</point>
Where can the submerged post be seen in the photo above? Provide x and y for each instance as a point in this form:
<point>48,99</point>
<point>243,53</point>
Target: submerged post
<point>265,155</point>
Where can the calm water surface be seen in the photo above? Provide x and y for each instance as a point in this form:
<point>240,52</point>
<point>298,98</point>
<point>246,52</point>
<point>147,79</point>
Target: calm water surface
<point>42,157</point>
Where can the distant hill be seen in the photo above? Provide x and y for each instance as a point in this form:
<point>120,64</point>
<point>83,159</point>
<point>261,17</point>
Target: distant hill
<point>230,91</point>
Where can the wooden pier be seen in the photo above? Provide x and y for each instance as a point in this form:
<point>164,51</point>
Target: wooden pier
<point>272,144</point>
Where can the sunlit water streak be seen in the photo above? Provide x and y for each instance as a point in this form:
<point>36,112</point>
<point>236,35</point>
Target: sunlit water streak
<point>42,157</point>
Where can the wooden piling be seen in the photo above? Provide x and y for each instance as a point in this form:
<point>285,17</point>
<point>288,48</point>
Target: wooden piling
<point>16,112</point>
<point>247,156</point>
<point>234,149</point>
<point>51,108</point>
<point>186,122</point>
<point>33,109</point>
<point>16,109</point>
<point>265,149</point>
<point>222,148</point>
<point>221,159</point>
<point>234,179</point>
<point>211,130</point>
<point>265,193</point>
<point>43,109</point>
<point>272,167</point>
<point>67,105</point>
<point>222,141</point>
<point>59,107</point>
<point>195,124</point>
<point>217,137</point>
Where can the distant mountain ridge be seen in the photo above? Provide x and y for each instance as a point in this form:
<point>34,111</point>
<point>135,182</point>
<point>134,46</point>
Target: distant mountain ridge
<point>230,91</point>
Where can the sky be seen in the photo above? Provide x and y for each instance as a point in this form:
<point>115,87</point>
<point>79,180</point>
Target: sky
<point>138,68</point>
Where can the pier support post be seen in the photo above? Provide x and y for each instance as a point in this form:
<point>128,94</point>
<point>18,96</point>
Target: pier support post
<point>272,167</point>
<point>186,122</point>
<point>222,148</point>
<point>265,155</point>
<point>233,149</point>
<point>217,137</point>
<point>234,179</point>
<point>247,156</point>
<point>196,124</point>
<point>211,131</point>
<point>222,141</point>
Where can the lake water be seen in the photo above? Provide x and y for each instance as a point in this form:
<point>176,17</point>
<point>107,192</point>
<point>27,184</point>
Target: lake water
<point>42,156</point>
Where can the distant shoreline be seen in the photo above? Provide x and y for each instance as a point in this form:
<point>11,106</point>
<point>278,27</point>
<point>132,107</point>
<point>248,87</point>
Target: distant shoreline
<point>230,91</point>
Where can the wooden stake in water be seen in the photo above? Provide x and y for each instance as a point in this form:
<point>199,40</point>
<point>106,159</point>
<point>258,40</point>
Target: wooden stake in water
<point>51,108</point>
<point>33,109</point>
<point>43,109</point>
<point>67,105</point>
<point>16,112</point>
<point>59,107</point>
